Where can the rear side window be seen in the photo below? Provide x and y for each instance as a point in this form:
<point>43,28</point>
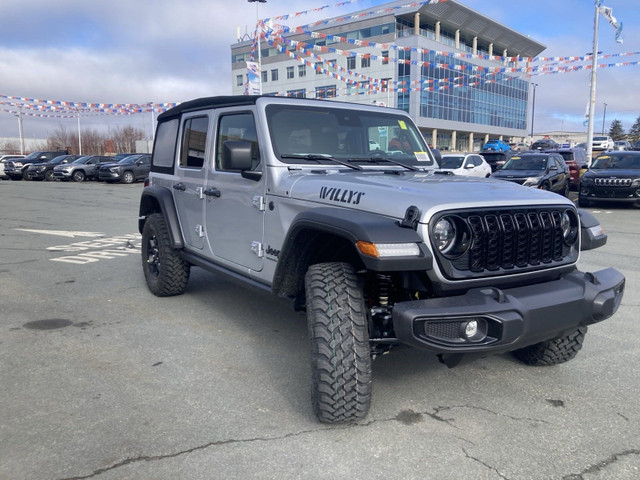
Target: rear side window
<point>164,149</point>
<point>194,142</point>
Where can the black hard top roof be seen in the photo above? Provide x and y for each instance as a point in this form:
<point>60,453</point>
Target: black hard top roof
<point>209,102</point>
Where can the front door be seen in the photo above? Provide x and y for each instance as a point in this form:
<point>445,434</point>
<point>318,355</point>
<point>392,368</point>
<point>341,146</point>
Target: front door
<point>190,176</point>
<point>234,205</point>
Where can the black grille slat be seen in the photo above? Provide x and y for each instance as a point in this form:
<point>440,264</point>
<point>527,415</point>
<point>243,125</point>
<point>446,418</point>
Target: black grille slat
<point>477,249</point>
<point>557,239</point>
<point>509,240</point>
<point>548,236</point>
<point>494,246</point>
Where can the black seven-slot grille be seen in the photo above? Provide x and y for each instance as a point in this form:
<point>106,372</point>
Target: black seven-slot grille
<point>509,241</point>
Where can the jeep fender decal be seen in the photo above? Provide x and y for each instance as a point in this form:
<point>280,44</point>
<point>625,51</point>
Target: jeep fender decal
<point>340,195</point>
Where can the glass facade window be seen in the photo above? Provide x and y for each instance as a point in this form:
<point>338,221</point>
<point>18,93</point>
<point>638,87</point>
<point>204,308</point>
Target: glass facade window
<point>274,75</point>
<point>300,93</point>
<point>404,80</point>
<point>239,80</point>
<point>302,70</point>
<point>328,91</point>
<point>365,62</point>
<point>290,72</point>
<point>265,76</point>
<point>459,94</point>
<point>319,68</point>
<point>351,62</point>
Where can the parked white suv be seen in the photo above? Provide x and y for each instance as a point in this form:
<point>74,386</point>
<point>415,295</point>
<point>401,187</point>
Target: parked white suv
<point>602,143</point>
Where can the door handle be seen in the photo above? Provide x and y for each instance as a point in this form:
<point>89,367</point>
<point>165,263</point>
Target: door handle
<point>212,192</point>
<point>179,186</point>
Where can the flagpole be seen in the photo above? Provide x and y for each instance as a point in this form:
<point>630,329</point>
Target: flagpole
<point>592,97</point>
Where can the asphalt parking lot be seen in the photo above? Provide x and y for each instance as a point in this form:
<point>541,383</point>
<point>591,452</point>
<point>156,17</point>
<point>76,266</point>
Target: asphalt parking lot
<point>100,379</point>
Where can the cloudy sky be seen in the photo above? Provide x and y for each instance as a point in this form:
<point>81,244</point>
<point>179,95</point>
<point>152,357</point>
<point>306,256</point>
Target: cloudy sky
<point>124,51</point>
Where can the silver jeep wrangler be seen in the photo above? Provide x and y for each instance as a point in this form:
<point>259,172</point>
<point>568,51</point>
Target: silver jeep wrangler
<point>338,207</point>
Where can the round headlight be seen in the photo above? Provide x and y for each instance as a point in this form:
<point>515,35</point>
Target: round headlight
<point>569,225</point>
<point>444,233</point>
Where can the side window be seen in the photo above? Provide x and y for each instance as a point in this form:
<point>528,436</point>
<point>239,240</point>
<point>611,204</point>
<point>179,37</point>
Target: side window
<point>164,149</point>
<point>240,126</point>
<point>194,142</point>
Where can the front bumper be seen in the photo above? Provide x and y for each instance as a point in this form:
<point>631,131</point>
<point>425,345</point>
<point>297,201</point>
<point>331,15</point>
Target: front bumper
<point>108,175</point>
<point>510,318</point>
<point>62,175</point>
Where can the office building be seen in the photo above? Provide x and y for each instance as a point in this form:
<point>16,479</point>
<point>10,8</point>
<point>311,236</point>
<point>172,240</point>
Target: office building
<point>459,74</point>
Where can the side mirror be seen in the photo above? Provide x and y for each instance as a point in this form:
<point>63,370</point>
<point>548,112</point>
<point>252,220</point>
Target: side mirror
<point>591,233</point>
<point>236,155</point>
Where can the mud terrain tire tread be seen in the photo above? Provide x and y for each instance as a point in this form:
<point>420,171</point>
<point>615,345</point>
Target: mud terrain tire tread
<point>340,352</point>
<point>170,275</point>
<point>554,351</point>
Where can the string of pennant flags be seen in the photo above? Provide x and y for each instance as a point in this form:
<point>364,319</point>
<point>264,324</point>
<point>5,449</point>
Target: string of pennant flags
<point>275,35</point>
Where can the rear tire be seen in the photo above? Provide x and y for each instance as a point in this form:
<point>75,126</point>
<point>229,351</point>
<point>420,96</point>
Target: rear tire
<point>340,352</point>
<point>164,270</point>
<point>554,351</point>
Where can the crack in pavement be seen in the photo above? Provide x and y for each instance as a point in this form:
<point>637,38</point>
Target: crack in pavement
<point>407,417</point>
<point>601,465</point>
<point>470,457</point>
<point>151,458</point>
<point>435,415</point>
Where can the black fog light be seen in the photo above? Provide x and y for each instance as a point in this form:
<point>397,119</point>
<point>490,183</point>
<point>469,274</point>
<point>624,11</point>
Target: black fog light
<point>474,330</point>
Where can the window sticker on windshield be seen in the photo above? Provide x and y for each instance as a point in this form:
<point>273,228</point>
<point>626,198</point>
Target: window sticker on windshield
<point>604,157</point>
<point>403,125</point>
<point>516,158</point>
<point>422,156</point>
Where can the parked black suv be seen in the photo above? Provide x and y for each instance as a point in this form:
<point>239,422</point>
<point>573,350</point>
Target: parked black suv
<point>128,170</point>
<point>545,144</point>
<point>44,171</point>
<point>497,159</point>
<point>612,177</point>
<point>16,169</point>
<point>545,170</point>
<point>576,160</point>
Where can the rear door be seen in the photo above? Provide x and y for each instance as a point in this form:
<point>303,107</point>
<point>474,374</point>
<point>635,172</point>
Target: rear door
<point>190,174</point>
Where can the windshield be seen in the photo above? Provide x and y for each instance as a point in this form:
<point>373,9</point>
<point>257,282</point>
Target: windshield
<point>128,160</point>
<point>303,134</point>
<point>599,139</point>
<point>618,162</point>
<point>451,162</point>
<point>533,162</point>
<point>82,159</point>
<point>33,155</point>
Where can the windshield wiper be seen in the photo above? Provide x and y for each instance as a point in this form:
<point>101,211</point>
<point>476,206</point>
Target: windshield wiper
<point>318,157</point>
<point>374,159</point>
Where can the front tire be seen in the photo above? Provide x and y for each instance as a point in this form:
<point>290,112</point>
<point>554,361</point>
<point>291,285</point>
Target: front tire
<point>48,176</point>
<point>127,177</point>
<point>78,176</point>
<point>554,351</point>
<point>165,272</point>
<point>339,334</point>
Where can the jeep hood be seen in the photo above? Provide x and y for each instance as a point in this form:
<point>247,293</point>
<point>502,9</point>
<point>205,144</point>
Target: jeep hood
<point>390,194</point>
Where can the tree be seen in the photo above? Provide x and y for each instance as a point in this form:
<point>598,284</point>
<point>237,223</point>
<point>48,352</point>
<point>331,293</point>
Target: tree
<point>616,132</point>
<point>634,131</point>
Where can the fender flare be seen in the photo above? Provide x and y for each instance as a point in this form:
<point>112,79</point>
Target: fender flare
<point>591,234</point>
<point>159,200</point>
<point>351,225</point>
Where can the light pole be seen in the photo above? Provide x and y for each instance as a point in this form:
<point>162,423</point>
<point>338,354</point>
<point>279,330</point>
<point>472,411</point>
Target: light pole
<point>533,108</point>
<point>603,117</point>
<point>19,115</point>
<point>259,47</point>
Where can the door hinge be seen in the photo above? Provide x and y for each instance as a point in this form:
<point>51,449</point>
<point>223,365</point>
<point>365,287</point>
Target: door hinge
<point>256,247</point>
<point>200,230</point>
<point>258,202</point>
